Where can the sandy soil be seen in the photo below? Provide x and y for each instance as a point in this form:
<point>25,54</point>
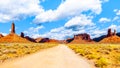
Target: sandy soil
<point>57,57</point>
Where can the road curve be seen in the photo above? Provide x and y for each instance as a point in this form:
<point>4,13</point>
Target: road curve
<point>57,57</point>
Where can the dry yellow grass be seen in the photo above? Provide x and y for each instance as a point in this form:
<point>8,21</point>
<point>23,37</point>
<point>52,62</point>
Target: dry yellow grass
<point>103,55</point>
<point>13,50</point>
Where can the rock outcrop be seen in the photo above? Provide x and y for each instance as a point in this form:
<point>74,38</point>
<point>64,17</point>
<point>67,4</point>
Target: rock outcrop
<point>69,40</point>
<point>1,36</point>
<point>83,37</point>
<point>47,40</point>
<point>43,40</point>
<point>114,33</point>
<point>111,37</point>
<point>13,38</point>
<point>30,39</point>
<point>12,28</point>
<point>22,35</point>
<point>38,39</point>
<point>80,39</point>
<point>110,33</point>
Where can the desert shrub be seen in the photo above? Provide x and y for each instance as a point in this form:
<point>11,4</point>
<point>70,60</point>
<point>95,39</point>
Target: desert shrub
<point>11,51</point>
<point>101,62</point>
<point>92,56</point>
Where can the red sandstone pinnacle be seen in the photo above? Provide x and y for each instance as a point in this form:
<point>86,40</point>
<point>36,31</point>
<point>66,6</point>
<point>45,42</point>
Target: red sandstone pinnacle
<point>114,33</point>
<point>109,33</point>
<point>12,28</point>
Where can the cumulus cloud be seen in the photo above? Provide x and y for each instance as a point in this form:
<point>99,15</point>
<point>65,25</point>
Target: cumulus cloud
<point>61,33</point>
<point>117,11</point>
<point>104,20</point>
<point>4,34</point>
<point>104,1</point>
<point>15,10</point>
<point>81,20</point>
<point>69,8</point>
<point>113,26</point>
<point>33,31</point>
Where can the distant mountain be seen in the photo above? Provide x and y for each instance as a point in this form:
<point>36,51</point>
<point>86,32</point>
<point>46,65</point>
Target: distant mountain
<point>118,34</point>
<point>99,38</point>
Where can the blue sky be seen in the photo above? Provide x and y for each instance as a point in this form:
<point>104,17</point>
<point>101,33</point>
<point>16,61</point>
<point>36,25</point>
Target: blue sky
<point>59,19</point>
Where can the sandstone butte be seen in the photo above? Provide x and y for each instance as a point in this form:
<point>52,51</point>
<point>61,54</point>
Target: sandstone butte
<point>81,39</point>
<point>12,37</point>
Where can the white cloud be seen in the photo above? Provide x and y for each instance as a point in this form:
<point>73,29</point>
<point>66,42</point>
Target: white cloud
<point>117,11</point>
<point>116,18</point>
<point>33,31</point>
<point>16,10</point>
<point>81,20</point>
<point>113,26</point>
<point>69,8</point>
<point>105,1</point>
<point>61,33</point>
<point>104,20</point>
<point>4,34</point>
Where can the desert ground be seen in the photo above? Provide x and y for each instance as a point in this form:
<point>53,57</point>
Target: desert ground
<point>21,55</point>
<point>57,57</point>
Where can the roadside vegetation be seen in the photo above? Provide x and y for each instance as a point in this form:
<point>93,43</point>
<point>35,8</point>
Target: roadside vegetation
<point>102,55</point>
<point>10,51</point>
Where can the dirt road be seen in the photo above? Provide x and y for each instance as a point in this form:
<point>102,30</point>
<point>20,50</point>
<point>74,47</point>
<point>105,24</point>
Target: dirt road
<point>57,57</point>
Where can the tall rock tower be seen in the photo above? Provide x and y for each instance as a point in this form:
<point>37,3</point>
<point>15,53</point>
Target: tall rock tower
<point>12,28</point>
<point>109,33</point>
<point>114,33</point>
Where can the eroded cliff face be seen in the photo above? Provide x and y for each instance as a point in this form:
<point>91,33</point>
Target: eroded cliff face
<point>80,39</point>
<point>84,36</point>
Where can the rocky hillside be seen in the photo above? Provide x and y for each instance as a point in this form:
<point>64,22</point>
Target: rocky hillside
<point>12,37</point>
<point>111,37</point>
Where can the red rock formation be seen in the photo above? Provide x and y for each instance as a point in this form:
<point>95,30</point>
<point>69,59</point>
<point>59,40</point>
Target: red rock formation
<point>30,39</point>
<point>12,28</point>
<point>114,33</point>
<point>80,39</point>
<point>83,37</point>
<point>69,40</point>
<point>43,40</point>
<point>1,36</point>
<point>47,40</point>
<point>109,34</point>
<point>22,35</point>
<point>13,38</point>
<point>38,39</point>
